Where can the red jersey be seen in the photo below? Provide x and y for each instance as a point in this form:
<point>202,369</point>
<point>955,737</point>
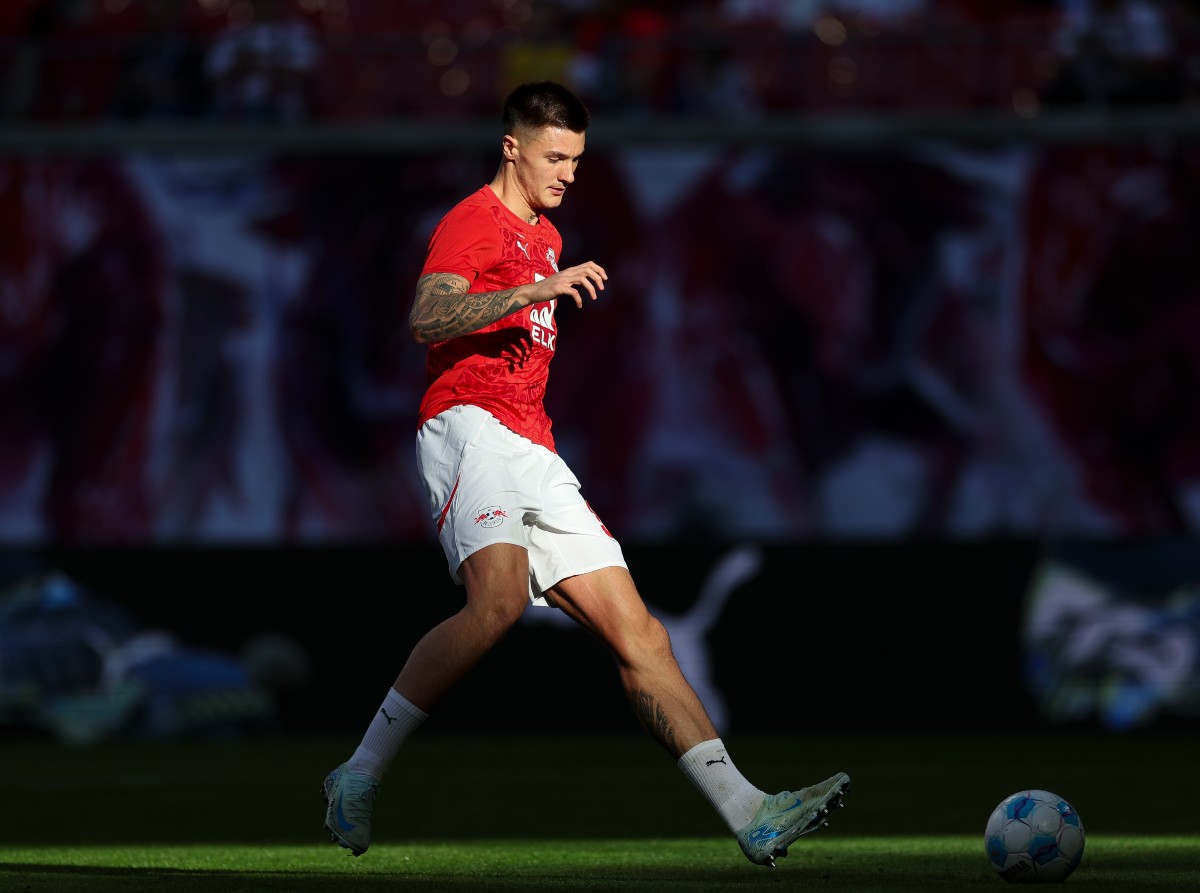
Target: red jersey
<point>503,366</point>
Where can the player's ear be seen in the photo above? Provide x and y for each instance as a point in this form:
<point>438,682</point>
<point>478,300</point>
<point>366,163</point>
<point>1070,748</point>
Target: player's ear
<point>509,147</point>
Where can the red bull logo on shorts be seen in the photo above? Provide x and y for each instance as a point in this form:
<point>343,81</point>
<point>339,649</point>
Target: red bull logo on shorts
<point>491,516</point>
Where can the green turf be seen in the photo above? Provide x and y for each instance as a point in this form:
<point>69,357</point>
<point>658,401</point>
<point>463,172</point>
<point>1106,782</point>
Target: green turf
<point>687,865</point>
<point>587,813</point>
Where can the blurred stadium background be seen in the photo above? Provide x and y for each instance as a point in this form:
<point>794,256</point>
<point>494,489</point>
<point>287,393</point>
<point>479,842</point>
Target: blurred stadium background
<point>901,339</point>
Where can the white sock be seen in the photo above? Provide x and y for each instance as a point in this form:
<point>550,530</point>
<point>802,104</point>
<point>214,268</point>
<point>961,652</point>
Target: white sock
<point>710,768</point>
<point>395,720</point>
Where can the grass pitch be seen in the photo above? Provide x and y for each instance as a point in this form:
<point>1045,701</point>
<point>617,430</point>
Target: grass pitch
<point>595,813</point>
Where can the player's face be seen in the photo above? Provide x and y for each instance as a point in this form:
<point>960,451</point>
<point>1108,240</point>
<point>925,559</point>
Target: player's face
<point>545,161</point>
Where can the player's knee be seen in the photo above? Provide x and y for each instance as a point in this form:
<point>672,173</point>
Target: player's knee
<point>497,616</point>
<point>658,639</point>
<point>644,643</point>
<point>506,615</point>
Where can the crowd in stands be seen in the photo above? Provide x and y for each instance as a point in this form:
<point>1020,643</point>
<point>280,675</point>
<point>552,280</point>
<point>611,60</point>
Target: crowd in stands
<point>935,340</point>
<point>364,60</point>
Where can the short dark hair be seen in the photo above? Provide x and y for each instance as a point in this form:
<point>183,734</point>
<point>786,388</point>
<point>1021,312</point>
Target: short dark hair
<point>539,104</point>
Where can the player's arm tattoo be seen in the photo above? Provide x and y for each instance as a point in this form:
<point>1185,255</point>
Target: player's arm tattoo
<point>443,308</point>
<point>654,719</point>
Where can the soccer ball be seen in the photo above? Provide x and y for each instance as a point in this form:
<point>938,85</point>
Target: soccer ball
<point>1034,837</point>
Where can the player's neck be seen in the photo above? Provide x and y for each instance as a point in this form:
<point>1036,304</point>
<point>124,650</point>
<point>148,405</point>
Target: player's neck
<point>510,196</point>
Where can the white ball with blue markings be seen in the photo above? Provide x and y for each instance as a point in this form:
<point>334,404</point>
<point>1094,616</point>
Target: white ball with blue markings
<point>1034,836</point>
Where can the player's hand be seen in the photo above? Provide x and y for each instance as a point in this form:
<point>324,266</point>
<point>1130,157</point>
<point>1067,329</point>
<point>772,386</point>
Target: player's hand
<point>573,283</point>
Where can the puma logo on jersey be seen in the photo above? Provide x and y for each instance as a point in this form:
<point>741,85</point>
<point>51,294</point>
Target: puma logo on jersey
<point>524,248</point>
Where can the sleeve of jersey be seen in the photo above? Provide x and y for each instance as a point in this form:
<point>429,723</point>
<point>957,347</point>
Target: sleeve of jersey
<point>465,242</point>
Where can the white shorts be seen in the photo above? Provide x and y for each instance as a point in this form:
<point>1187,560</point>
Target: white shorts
<point>486,484</point>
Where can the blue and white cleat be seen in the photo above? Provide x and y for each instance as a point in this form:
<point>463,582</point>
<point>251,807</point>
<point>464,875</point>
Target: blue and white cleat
<point>788,815</point>
<point>349,798</point>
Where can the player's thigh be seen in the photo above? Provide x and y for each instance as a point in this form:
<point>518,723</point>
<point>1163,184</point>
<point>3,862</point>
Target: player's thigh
<point>608,605</point>
<point>496,578</point>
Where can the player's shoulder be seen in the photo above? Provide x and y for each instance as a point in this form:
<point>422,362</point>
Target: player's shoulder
<point>549,230</point>
<point>468,213</point>
<point>480,201</point>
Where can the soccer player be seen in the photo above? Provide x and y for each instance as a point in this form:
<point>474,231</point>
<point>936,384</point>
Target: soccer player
<point>508,511</point>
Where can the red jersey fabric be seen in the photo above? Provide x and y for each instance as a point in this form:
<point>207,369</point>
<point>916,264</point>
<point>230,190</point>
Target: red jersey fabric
<point>503,366</point>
